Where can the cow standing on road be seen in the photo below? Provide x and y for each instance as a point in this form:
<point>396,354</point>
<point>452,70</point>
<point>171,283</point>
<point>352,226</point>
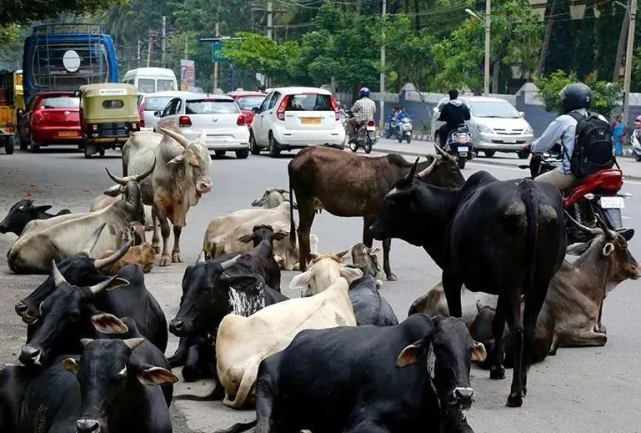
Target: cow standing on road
<point>180,178</point>
<point>501,237</point>
<point>349,185</point>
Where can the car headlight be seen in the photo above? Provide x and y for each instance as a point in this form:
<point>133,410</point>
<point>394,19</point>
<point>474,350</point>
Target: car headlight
<point>529,131</point>
<point>484,129</point>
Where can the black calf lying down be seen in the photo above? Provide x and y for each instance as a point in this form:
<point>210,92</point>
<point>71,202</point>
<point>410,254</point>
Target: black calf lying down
<point>398,379</point>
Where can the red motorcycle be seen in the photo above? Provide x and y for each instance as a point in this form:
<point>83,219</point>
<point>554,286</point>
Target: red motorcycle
<point>597,195</point>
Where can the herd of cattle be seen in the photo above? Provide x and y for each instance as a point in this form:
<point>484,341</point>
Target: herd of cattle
<point>334,360</point>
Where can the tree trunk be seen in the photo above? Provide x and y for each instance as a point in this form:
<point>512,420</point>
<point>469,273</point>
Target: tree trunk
<point>623,35</point>
<point>549,26</point>
<point>417,18</point>
<point>496,70</point>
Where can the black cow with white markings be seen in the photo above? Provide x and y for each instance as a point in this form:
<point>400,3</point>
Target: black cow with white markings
<point>406,378</point>
<point>505,238</point>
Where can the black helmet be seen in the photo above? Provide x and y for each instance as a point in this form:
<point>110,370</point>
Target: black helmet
<point>575,96</point>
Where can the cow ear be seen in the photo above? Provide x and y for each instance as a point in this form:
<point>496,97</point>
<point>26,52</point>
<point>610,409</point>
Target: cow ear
<point>71,365</point>
<point>375,251</point>
<point>279,236</point>
<point>259,202</point>
<point>413,353</point>
<point>478,352</point>
<point>176,161</point>
<point>114,191</point>
<point>108,324</point>
<point>350,274</point>
<point>192,159</point>
<point>608,249</point>
<point>241,282</point>
<point>301,281</point>
<point>577,249</point>
<point>42,208</point>
<point>245,238</point>
<point>156,376</point>
<point>626,233</point>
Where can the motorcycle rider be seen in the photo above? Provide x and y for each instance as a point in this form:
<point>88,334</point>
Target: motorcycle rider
<point>363,110</point>
<point>577,98</point>
<point>454,114</point>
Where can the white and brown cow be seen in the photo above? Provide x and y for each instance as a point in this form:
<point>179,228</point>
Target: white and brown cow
<point>324,271</point>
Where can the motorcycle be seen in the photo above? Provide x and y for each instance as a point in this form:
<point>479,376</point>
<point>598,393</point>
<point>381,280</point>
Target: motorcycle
<point>402,130</point>
<point>459,146</point>
<point>636,145</point>
<point>597,197</point>
<point>366,136</point>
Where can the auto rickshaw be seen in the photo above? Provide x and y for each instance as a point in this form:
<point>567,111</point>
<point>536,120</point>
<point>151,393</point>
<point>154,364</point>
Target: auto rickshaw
<point>108,114</point>
<point>11,106</point>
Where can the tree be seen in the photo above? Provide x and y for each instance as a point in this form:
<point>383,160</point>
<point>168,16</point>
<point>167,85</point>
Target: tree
<point>606,97</point>
<point>26,11</point>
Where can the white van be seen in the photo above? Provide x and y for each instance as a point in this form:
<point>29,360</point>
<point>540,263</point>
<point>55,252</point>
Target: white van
<point>152,80</point>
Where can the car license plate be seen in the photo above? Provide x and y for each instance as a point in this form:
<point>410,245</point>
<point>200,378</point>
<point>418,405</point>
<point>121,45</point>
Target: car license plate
<point>462,149</point>
<point>612,202</point>
<point>510,141</point>
<point>67,134</point>
<point>311,120</point>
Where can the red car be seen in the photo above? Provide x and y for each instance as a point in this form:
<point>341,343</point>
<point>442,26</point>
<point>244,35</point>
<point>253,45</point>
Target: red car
<point>246,101</point>
<point>53,118</point>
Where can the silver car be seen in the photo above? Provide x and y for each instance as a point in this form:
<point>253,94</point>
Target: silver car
<point>495,124</point>
<point>149,103</point>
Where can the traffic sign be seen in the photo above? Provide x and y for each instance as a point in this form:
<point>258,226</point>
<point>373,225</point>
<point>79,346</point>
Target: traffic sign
<point>217,53</point>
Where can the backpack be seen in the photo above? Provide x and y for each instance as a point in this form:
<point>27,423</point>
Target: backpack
<point>592,146</point>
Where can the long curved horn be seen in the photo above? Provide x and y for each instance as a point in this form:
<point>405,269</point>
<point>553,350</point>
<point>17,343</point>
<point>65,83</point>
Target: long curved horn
<point>119,180</point>
<point>108,261</point>
<point>179,138</point>
<point>93,239</point>
<point>229,263</point>
<point>440,151</point>
<point>412,172</point>
<point>58,279</point>
<point>430,168</point>
<point>602,224</point>
<point>201,257</point>
<point>141,176</point>
<point>592,231</point>
<point>97,288</point>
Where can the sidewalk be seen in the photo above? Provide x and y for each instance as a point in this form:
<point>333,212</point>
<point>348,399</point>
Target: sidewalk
<point>631,168</point>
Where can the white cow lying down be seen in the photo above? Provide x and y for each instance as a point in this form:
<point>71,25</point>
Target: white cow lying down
<point>243,342</point>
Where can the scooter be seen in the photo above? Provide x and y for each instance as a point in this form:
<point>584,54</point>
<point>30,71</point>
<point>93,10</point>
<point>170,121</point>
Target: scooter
<point>459,146</point>
<point>402,130</point>
<point>366,136</point>
<point>597,197</point>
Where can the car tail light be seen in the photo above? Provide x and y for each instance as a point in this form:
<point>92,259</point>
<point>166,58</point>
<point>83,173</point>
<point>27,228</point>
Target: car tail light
<point>141,113</point>
<point>371,123</point>
<point>241,121</point>
<point>332,100</point>
<point>280,113</point>
<point>37,117</point>
<point>134,126</point>
<point>184,121</point>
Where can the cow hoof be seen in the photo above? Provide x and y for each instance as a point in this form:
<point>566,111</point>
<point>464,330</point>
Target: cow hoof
<point>497,373</point>
<point>165,261</point>
<point>392,277</point>
<point>175,258</point>
<point>514,400</point>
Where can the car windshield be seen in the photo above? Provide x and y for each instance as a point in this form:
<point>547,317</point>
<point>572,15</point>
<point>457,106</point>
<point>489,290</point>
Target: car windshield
<point>309,102</point>
<point>157,103</point>
<point>502,109</point>
<point>165,85</point>
<point>249,102</point>
<point>211,106</point>
<point>147,85</point>
<point>60,102</point>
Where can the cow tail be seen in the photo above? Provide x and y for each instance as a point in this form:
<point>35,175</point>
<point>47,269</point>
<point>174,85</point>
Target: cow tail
<point>531,200</point>
<point>240,427</point>
<point>247,383</point>
<point>292,224</point>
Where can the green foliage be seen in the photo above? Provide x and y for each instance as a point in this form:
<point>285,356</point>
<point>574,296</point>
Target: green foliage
<point>606,97</point>
<point>25,11</point>
<point>9,33</point>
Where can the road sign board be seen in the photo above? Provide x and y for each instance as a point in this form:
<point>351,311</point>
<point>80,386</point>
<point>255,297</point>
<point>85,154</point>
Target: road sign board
<point>217,53</point>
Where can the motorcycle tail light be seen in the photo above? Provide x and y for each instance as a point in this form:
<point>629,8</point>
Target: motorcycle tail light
<point>371,123</point>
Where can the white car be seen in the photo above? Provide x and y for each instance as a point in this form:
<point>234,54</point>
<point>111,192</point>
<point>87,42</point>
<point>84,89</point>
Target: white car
<point>294,118</point>
<point>149,103</point>
<point>217,115</point>
<point>495,125</point>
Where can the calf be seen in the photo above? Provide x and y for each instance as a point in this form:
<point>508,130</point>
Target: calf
<point>365,259</point>
<point>328,381</point>
<point>500,237</point>
<point>71,313</point>
<point>22,213</point>
<point>325,269</point>
<point>271,198</point>
<point>111,378</point>
<point>243,342</point>
<point>140,255</point>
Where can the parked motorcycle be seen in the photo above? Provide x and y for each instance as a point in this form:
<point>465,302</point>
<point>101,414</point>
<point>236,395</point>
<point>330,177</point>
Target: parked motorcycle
<point>366,136</point>
<point>402,130</point>
<point>459,145</point>
<point>597,196</point>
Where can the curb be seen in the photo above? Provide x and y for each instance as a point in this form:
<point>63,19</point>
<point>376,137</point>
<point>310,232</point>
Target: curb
<point>487,161</point>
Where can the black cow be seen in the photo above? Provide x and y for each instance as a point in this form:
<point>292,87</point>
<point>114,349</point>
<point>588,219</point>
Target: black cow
<point>500,237</point>
<point>370,308</point>
<point>107,394</point>
<point>14,380</point>
<point>71,313</point>
<point>331,381</point>
<point>24,211</point>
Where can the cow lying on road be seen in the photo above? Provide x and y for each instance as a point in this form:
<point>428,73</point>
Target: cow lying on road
<point>328,381</point>
<point>500,237</point>
<point>22,212</point>
<point>325,269</point>
<point>142,255</point>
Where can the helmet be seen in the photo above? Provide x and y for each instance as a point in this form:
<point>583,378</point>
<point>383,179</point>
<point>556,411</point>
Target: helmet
<point>364,92</point>
<point>574,96</point>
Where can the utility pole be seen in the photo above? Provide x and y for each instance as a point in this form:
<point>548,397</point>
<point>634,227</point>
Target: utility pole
<point>217,31</point>
<point>486,79</point>
<point>138,54</point>
<point>621,45</point>
<point>382,79</point>
<point>628,60</point>
<point>164,40</point>
<point>270,17</point>
<point>151,46</point>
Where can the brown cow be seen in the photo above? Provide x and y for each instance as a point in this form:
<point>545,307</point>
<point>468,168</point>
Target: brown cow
<point>142,255</point>
<point>350,185</point>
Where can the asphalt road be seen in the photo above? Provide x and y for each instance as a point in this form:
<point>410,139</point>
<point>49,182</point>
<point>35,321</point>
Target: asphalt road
<point>579,390</point>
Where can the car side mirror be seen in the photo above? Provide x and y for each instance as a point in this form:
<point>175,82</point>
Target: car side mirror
<point>157,113</point>
<point>255,110</point>
<point>522,114</point>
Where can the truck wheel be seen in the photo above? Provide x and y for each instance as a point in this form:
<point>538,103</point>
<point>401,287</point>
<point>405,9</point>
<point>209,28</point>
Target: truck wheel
<point>242,154</point>
<point>9,145</point>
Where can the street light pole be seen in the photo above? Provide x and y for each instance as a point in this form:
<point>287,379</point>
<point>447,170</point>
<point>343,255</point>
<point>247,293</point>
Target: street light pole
<point>382,113</point>
<point>628,60</point>
<point>486,79</point>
